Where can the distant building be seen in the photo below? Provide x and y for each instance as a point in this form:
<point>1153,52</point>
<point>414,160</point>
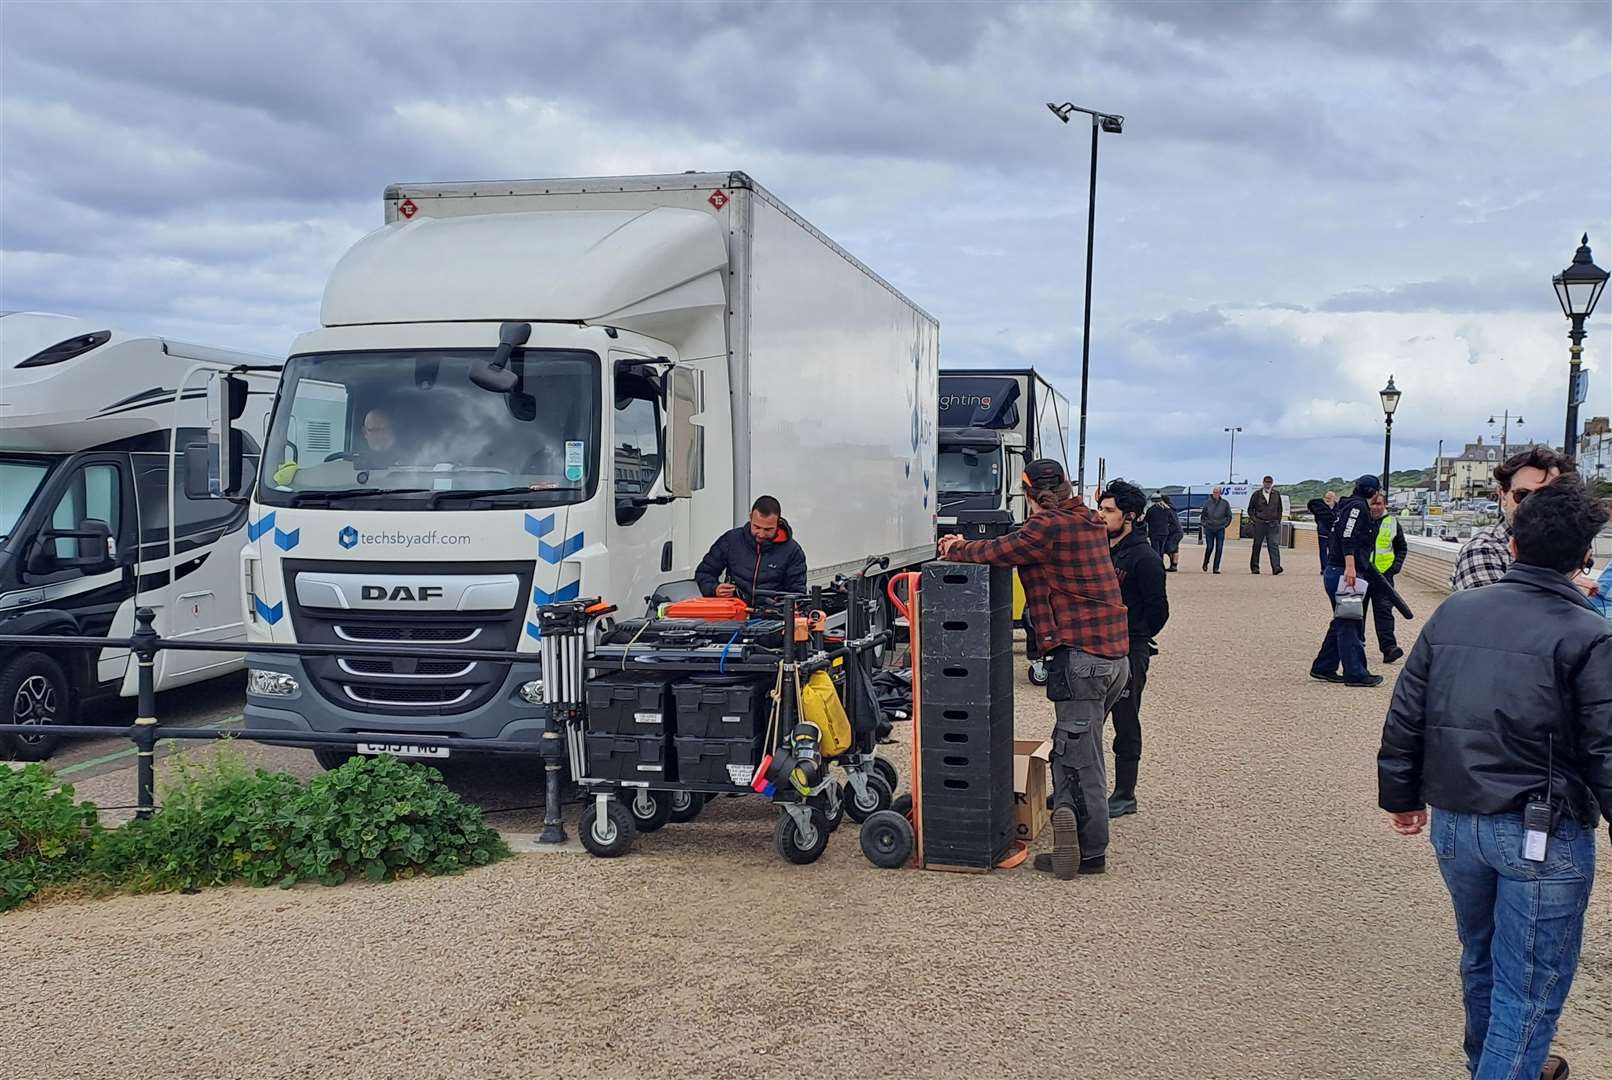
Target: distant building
<point>1470,474</point>
<point>1595,449</point>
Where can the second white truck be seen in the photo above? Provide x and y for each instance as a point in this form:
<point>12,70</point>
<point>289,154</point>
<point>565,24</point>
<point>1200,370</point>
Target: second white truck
<point>526,391</point>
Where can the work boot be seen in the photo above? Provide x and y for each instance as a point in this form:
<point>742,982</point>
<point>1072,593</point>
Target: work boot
<point>1393,655</point>
<point>1555,1068</point>
<point>1043,863</point>
<point>1369,680</point>
<point>1123,801</point>
<point>1065,843</point>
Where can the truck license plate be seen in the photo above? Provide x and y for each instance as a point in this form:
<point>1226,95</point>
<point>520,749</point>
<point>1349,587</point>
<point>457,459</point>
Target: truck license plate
<point>402,750</point>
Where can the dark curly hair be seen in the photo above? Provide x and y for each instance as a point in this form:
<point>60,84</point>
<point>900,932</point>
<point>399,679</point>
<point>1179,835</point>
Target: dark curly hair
<point>1540,457</point>
<point>1556,525</point>
<point>1128,498</point>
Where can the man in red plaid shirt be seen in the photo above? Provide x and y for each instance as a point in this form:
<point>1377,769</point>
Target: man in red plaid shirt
<point>1074,604</point>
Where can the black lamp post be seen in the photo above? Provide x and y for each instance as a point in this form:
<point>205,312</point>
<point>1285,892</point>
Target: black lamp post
<point>1231,463</point>
<point>1506,420</point>
<point>1113,125</point>
<point>1390,399</point>
<point>1578,288</point>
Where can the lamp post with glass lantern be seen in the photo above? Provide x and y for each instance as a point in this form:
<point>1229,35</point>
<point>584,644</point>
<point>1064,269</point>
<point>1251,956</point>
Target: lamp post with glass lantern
<point>1390,400</point>
<point>1578,288</point>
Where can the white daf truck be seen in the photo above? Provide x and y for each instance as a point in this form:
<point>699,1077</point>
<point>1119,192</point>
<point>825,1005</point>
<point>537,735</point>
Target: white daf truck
<point>533,390</point>
<point>96,519</point>
<point>994,421</point>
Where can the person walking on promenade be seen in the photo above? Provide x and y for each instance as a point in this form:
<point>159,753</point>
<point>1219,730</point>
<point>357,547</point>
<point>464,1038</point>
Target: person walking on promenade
<point>1389,551</point>
<point>1486,557</point>
<point>1351,562</point>
<point>1147,606</point>
<point>1164,530</point>
<point>1074,601</point>
<point>1265,510</point>
<point>1502,723</point>
<point>1325,511</point>
<point>1214,517</point>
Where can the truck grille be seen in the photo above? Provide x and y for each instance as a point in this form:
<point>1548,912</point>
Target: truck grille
<point>401,685</point>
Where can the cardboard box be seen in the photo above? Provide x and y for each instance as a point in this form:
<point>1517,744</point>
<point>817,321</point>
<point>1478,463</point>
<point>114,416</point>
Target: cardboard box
<point>1031,782</point>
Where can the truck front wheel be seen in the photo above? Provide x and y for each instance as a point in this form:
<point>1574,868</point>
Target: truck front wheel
<point>34,691</point>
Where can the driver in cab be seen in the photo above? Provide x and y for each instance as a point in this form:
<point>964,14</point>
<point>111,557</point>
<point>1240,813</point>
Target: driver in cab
<point>760,556</point>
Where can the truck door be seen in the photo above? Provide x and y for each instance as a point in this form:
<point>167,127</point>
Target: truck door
<point>648,543</point>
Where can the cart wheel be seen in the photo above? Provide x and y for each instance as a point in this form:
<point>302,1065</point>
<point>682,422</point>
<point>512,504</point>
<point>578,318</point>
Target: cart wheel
<point>1038,673</point>
<point>863,806</point>
<point>611,837</point>
<point>650,809</point>
<point>903,806</point>
<point>887,840</point>
<point>801,848</point>
<point>888,771</point>
<point>686,805</point>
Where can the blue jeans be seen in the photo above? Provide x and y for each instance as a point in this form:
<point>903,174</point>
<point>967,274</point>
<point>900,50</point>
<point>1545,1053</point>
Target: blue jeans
<point>1214,541</point>
<point>1346,638</point>
<point>1521,925</point>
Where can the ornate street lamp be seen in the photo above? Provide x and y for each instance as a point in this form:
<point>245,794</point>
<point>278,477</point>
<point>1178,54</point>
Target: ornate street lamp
<point>1578,288</point>
<point>1390,400</point>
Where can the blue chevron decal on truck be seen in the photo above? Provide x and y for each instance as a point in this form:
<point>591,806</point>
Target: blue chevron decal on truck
<point>263,525</point>
<point>270,615</point>
<point>285,541</point>
<point>552,555</point>
<point>538,527</point>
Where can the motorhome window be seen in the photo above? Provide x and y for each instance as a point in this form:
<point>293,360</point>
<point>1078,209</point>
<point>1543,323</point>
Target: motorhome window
<point>192,517</point>
<point>969,471</point>
<point>92,493</point>
<point>18,482</point>
<point>412,422</point>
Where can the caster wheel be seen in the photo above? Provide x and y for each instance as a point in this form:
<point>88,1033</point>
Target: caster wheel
<point>686,805</point>
<point>1038,673</point>
<point>610,836</point>
<point>883,768</point>
<point>903,806</point>
<point>838,816</point>
<point>887,840</point>
<point>877,797</point>
<point>650,809</point>
<point>801,848</point>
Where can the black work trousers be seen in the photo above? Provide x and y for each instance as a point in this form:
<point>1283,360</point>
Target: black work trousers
<point>1128,709</point>
<point>1382,617</point>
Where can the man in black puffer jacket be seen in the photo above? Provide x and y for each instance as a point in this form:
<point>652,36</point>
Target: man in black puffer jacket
<point>760,556</point>
<point>1502,722</point>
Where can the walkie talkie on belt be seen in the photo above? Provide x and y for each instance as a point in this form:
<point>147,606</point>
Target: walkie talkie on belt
<point>1539,816</point>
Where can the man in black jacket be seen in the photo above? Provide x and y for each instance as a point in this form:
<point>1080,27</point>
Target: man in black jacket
<point>1147,606</point>
<point>761,556</point>
<point>1350,558</point>
<point>1325,511</point>
<point>1388,541</point>
<point>1265,511</point>
<point>1502,722</point>
<point>1163,530</point>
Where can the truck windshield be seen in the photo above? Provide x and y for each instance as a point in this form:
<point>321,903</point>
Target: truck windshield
<point>19,479</point>
<point>969,470</point>
<point>400,428</point>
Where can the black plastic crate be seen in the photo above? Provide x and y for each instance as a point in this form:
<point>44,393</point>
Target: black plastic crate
<point>627,757</point>
<point>629,705</point>
<point>726,709</point>
<point>717,761</point>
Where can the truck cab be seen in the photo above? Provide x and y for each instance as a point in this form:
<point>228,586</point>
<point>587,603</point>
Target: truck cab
<point>992,423</point>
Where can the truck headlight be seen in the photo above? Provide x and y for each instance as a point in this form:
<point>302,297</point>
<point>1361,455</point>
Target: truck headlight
<point>532,692</point>
<point>271,684</point>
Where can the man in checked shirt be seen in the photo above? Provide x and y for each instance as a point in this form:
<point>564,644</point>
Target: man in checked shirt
<point>1073,599</point>
<point>1486,557</point>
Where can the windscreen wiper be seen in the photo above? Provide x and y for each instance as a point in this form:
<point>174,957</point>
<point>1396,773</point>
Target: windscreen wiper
<point>437,497</point>
<point>305,497</point>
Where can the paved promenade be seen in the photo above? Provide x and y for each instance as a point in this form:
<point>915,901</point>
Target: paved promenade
<point>1258,920</point>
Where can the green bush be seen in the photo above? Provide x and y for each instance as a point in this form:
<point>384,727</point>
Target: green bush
<point>222,822</point>
<point>377,817</point>
<point>45,834</point>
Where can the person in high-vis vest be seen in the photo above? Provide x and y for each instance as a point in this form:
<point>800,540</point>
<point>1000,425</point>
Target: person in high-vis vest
<point>1388,556</point>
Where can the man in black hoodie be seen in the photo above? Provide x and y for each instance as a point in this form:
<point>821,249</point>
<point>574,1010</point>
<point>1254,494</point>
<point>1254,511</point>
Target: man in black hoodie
<point>1142,585</point>
<point>760,556</point>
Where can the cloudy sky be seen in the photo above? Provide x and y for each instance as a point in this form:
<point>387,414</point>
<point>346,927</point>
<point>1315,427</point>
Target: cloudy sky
<point>1306,198</point>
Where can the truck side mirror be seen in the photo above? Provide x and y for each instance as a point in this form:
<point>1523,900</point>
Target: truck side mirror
<point>226,448</point>
<point>685,438</point>
<point>94,550</point>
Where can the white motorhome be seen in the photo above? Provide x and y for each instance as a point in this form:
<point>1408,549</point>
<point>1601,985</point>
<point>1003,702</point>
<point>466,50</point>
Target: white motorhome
<point>95,518</point>
<point>527,391</point>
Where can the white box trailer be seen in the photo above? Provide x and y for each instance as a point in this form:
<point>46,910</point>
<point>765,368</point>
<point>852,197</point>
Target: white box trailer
<point>675,346</point>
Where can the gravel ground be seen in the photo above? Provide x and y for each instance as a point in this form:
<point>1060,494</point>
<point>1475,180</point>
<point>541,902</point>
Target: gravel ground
<point>1258,919</point>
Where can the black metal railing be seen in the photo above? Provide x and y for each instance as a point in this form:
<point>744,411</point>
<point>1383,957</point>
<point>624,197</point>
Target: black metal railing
<point>145,643</point>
